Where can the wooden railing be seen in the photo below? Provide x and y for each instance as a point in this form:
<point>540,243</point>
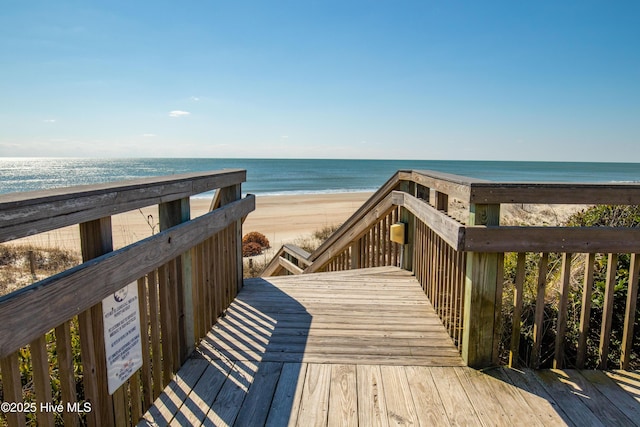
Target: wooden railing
<point>51,332</point>
<point>289,259</point>
<point>470,266</point>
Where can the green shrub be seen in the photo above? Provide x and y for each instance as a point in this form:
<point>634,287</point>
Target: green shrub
<point>607,216</point>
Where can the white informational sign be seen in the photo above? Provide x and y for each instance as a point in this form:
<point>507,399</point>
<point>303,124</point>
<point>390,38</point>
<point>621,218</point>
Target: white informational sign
<point>122,343</point>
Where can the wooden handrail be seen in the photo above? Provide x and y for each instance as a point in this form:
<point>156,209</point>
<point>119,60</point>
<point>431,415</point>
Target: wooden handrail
<point>556,193</point>
<point>473,238</point>
<point>551,239</point>
<point>461,266</point>
<point>364,210</point>
<point>456,186</point>
<point>473,190</point>
<point>350,234</point>
<point>278,260</point>
<point>446,227</point>
<point>300,254</point>
<point>60,297</point>
<point>186,276</point>
<point>521,239</point>
<point>33,212</point>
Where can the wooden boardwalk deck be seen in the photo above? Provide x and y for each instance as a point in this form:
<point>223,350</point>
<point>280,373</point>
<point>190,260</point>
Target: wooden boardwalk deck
<point>364,347</point>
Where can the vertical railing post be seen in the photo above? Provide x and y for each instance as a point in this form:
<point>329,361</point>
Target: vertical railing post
<point>355,254</point>
<point>408,218</point>
<point>228,195</point>
<point>171,214</point>
<point>480,294</point>
<point>95,240</point>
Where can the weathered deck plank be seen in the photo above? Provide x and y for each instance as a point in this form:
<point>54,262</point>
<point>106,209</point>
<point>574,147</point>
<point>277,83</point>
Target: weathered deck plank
<point>381,318</point>
<point>343,403</point>
<point>429,408</point>
<point>372,408</point>
<point>299,356</point>
<point>286,401</point>
<point>314,404</point>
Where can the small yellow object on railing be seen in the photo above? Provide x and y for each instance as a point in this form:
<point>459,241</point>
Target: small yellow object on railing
<point>398,233</point>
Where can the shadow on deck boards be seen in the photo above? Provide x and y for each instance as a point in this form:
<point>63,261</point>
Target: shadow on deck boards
<point>364,347</point>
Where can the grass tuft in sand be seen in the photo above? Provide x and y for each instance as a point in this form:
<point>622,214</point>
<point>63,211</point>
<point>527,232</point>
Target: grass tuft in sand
<point>21,265</point>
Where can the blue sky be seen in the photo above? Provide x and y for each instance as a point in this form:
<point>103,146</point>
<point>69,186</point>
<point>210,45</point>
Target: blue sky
<point>525,80</point>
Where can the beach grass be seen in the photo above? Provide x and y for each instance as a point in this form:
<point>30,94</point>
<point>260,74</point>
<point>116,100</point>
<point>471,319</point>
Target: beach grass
<point>21,265</point>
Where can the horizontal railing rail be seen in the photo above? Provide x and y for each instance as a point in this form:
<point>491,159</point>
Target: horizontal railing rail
<point>465,265</point>
<point>521,238</point>
<point>33,212</point>
<point>52,348</point>
<point>289,258</point>
<point>364,211</point>
<point>108,273</point>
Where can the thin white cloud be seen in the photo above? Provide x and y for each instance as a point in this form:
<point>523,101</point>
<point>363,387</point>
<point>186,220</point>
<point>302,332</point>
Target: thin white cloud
<point>178,113</point>
<point>195,98</point>
<point>49,120</point>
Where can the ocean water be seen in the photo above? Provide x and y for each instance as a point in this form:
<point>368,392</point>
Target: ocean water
<point>296,176</point>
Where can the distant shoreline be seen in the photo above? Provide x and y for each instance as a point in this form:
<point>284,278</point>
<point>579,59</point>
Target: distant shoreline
<point>297,176</point>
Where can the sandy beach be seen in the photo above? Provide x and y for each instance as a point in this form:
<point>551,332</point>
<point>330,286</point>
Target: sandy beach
<point>282,219</point>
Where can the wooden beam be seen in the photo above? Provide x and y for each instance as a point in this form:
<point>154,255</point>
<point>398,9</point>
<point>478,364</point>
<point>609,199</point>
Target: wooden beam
<point>361,213</point>
<point>455,186</point>
<point>66,372</point>
<point>607,312</point>
<point>41,383</point>
<point>12,388</point>
<point>298,253</point>
<point>289,266</point>
<point>228,195</point>
<point>274,265</point>
<point>171,214</point>
<point>585,312</point>
<point>551,239</point>
<point>630,312</point>
<point>555,193</point>
<point>538,322</point>
<point>514,353</point>
<point>480,295</point>
<point>58,298</point>
<point>561,325</point>
<point>407,217</point>
<point>355,255</point>
<point>29,213</point>
<point>350,235</point>
<point>450,230</point>
<point>96,240</point>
